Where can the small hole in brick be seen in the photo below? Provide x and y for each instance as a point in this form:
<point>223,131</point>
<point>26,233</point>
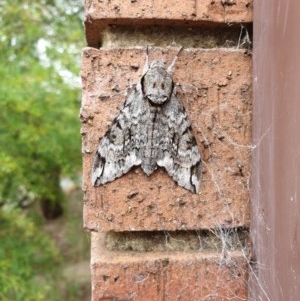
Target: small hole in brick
<point>165,262</point>
<point>105,277</point>
<point>116,278</point>
<point>132,195</point>
<point>151,207</point>
<point>181,203</point>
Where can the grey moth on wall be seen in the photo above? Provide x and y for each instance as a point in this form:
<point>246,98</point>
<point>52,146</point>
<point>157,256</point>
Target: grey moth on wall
<point>151,130</point>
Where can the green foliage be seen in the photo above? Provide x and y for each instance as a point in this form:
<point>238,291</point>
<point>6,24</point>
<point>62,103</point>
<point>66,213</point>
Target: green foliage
<point>39,103</point>
<point>28,260</point>
<point>39,98</point>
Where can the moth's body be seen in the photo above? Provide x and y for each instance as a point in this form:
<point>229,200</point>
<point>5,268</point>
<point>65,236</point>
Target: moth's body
<point>151,130</point>
<point>149,150</point>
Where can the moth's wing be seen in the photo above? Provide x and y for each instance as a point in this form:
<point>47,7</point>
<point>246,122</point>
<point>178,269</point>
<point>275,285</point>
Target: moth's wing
<point>180,155</point>
<point>118,150</point>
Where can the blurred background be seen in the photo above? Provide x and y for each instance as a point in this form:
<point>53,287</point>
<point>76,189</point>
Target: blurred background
<point>44,252</point>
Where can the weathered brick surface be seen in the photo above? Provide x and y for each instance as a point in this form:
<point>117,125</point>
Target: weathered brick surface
<point>215,87</point>
<point>227,11</point>
<point>189,276</point>
<point>207,10</point>
<point>162,12</point>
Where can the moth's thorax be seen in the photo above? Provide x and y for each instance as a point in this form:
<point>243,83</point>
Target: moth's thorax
<point>157,85</point>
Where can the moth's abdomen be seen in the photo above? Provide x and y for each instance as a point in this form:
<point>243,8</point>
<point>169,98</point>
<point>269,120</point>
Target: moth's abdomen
<point>153,135</point>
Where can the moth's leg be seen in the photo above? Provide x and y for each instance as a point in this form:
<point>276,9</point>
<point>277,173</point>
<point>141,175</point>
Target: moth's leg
<point>170,68</point>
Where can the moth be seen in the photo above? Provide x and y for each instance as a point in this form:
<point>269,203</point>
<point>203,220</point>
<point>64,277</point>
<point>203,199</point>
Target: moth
<point>151,130</point>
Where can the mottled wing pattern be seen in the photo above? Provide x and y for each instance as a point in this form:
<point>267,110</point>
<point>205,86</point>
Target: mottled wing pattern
<point>180,156</point>
<point>117,151</point>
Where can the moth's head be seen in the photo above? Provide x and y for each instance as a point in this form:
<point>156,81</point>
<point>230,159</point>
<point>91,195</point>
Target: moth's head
<point>157,84</point>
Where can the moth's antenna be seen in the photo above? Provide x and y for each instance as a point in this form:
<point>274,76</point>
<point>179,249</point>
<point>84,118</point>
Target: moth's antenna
<point>146,66</point>
<point>170,68</point>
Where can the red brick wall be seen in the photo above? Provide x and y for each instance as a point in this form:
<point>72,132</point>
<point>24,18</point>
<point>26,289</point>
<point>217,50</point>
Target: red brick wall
<point>215,87</point>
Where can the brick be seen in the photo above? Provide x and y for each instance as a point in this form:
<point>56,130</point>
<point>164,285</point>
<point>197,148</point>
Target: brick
<point>215,87</point>
<point>189,10</point>
<point>226,11</point>
<point>188,276</point>
<point>141,9</point>
<point>99,14</point>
